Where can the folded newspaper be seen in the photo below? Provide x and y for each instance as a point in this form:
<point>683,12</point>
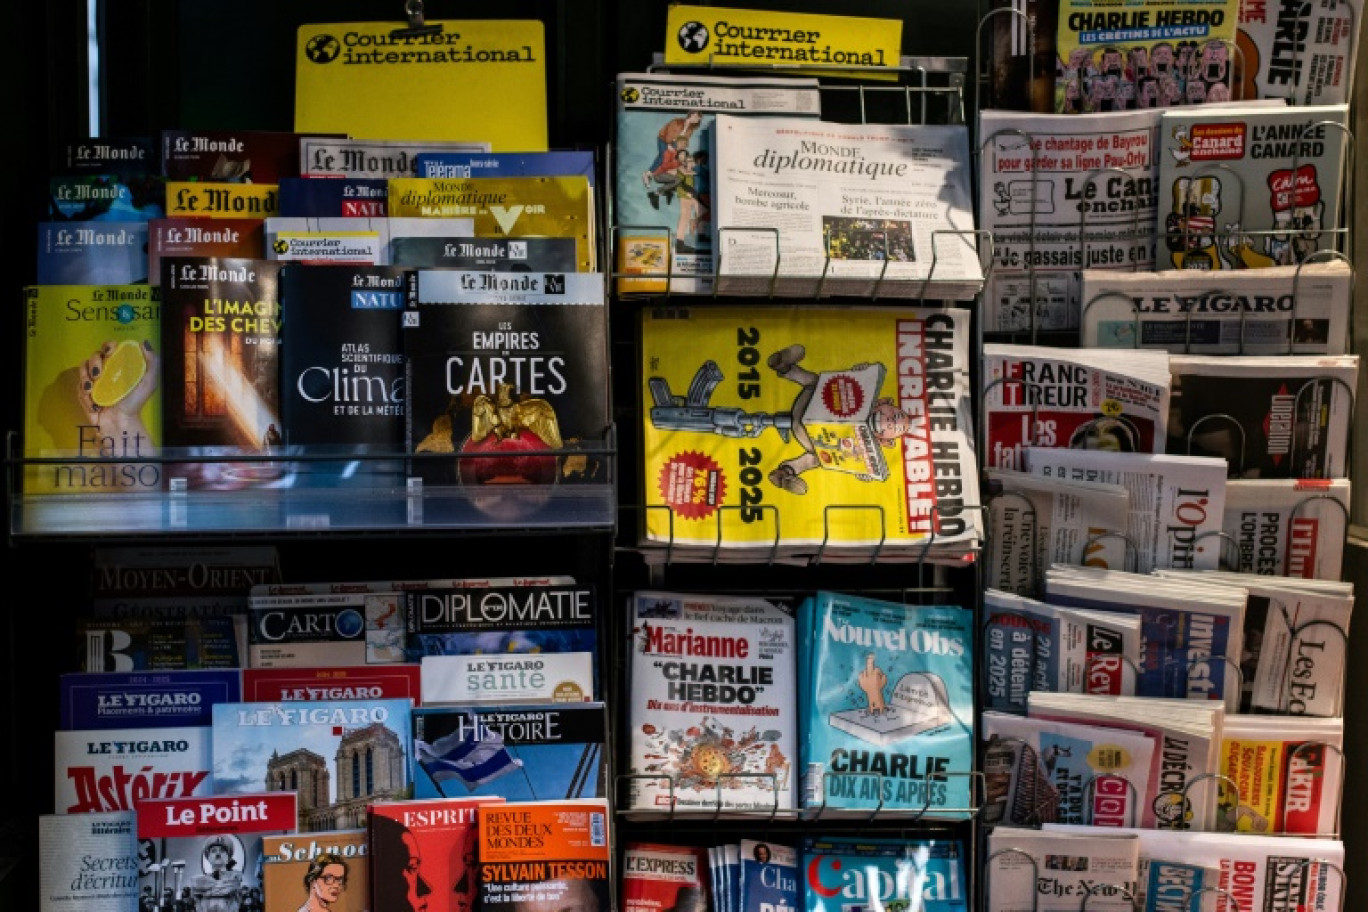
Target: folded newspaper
<point>1035,521</point>
<point>1284,416</point>
<point>814,208</point>
<point>1082,398</point>
<point>1281,310</point>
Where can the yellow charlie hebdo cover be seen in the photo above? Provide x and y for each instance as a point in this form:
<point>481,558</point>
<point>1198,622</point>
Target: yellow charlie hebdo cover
<point>798,428</point>
<point>92,381</point>
<point>514,207</point>
<point>457,80</point>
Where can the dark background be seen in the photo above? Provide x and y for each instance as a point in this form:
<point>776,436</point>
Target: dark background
<point>186,64</point>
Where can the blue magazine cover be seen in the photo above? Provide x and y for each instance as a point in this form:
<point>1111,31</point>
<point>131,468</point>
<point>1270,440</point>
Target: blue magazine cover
<point>846,874</point>
<point>769,877</point>
<point>527,753</point>
<point>339,755</point>
<point>92,253</point>
<point>555,163</point>
<point>887,699</point>
<point>145,699</point>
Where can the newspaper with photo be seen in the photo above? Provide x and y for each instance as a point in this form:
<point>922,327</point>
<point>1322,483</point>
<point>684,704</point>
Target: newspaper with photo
<point>813,208</point>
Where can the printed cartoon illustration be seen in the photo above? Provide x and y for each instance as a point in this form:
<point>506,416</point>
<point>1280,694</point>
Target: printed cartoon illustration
<point>837,417</point>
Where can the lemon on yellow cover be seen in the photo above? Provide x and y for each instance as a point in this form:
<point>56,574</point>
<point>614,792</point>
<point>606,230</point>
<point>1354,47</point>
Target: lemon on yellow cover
<point>471,80</point>
<point>91,389</point>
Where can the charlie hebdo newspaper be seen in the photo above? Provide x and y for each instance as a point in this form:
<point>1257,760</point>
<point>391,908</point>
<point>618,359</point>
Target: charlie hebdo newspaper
<point>1060,193</point>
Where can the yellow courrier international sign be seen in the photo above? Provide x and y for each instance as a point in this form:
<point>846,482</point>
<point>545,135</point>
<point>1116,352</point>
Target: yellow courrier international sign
<point>477,80</point>
<point>716,36</point>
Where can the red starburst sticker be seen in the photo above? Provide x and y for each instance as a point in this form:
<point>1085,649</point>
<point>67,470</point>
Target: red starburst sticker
<point>842,395</point>
<point>692,484</point>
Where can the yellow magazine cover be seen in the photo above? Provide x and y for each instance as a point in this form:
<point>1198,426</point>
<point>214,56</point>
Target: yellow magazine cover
<point>803,427</point>
<point>212,199</point>
<point>361,79</point>
<point>806,43</point>
<point>91,389</point>
<point>513,207</point>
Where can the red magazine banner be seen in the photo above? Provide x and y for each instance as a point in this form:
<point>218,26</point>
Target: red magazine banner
<point>214,814</point>
<point>344,682</point>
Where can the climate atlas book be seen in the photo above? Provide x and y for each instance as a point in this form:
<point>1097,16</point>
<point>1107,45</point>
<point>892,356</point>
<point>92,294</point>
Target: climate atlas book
<point>662,202</point>
<point>1280,310</point>
<point>92,253</point>
<point>505,379</point>
<point>221,334</point>
<point>784,432</point>
<point>87,862</point>
<point>1246,187</point>
<point>342,373</point>
<point>286,859</point>
<point>109,769</point>
<point>712,710</point>
<point>1045,396</point>
<point>340,755</point>
<point>1284,416</point>
<point>506,207</point>
<point>188,236</point>
<point>809,208</point>
<point>208,850</point>
<point>1061,193</point>
<point>139,699</point>
<point>438,836</point>
<point>92,373</point>
<point>555,850</point>
<point>521,753</point>
<point>887,700</point>
<point>1160,54</point>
